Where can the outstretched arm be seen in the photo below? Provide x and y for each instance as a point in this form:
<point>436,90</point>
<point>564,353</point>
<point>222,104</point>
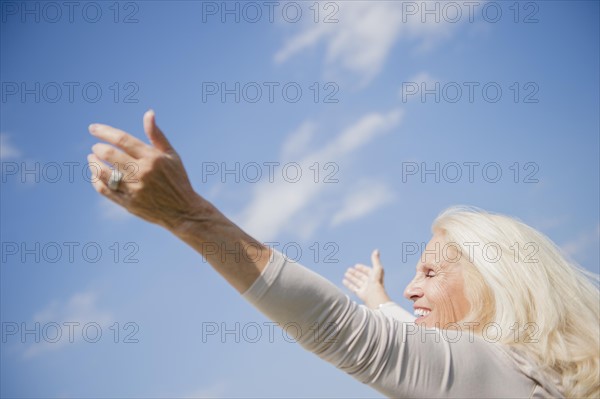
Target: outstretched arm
<point>355,339</point>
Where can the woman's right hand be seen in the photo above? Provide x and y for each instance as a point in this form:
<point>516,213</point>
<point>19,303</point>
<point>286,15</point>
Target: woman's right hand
<point>158,188</point>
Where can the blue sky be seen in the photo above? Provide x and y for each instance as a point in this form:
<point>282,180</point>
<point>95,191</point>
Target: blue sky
<point>363,130</point>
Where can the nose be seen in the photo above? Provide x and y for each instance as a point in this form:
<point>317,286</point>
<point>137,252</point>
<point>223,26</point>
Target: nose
<point>413,290</point>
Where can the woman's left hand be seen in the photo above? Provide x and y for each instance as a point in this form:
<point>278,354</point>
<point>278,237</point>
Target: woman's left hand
<point>367,282</point>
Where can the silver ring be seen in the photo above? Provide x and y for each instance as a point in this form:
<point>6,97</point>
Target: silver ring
<point>115,179</point>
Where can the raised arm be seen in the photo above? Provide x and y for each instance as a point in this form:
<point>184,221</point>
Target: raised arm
<point>393,357</point>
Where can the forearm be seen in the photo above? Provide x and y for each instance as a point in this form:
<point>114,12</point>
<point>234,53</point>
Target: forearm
<point>376,298</point>
<point>235,255</point>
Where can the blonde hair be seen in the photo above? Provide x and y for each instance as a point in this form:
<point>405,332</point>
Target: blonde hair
<point>542,302</point>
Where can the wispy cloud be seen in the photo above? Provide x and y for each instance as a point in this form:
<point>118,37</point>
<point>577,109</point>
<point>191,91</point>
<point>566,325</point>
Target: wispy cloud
<point>365,198</point>
<point>112,211</point>
<point>578,246</point>
<point>411,88</point>
<point>81,308</point>
<point>273,207</point>
<point>7,149</point>
<point>364,36</point>
<point>298,141</point>
<point>550,222</point>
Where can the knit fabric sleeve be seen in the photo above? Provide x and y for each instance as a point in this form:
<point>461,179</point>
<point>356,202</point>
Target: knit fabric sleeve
<point>396,358</point>
<point>395,311</point>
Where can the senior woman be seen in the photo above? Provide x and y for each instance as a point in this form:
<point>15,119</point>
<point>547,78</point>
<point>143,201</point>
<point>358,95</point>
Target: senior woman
<point>544,315</point>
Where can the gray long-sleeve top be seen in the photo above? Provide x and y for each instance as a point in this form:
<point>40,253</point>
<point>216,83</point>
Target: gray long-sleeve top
<point>383,349</point>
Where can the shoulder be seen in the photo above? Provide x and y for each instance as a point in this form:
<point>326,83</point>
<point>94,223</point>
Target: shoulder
<point>548,382</point>
<point>465,363</point>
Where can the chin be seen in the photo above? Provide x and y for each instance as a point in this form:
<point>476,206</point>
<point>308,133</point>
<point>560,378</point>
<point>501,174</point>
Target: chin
<point>431,324</point>
<point>426,321</point>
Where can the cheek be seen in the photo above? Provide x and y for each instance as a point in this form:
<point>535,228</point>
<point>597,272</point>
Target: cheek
<point>437,293</point>
<point>447,299</point>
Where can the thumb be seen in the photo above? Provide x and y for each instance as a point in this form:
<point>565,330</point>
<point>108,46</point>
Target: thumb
<point>156,136</point>
<point>377,266</point>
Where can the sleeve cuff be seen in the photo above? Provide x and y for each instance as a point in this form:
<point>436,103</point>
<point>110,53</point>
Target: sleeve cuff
<point>267,277</point>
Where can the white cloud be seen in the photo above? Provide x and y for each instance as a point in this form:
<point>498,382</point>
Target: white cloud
<point>80,308</point>
<point>306,39</point>
<point>298,141</point>
<point>550,222</point>
<point>275,207</point>
<point>365,198</point>
<point>214,191</point>
<point>581,243</point>
<point>112,211</point>
<point>366,32</point>
<point>7,150</point>
<point>411,88</point>
<point>422,77</point>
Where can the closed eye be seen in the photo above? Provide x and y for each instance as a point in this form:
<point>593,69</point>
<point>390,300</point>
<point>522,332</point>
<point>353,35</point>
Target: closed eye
<point>430,273</point>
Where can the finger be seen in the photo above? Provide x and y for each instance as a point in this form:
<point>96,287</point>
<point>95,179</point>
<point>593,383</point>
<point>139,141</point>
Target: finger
<point>358,274</point>
<point>365,269</point>
<point>351,286</point>
<point>376,261</point>
<point>113,156</point>
<point>354,280</point>
<point>131,145</point>
<point>351,273</point>
<point>99,169</point>
<point>346,283</point>
<point>359,267</point>
<point>156,136</point>
<point>100,185</point>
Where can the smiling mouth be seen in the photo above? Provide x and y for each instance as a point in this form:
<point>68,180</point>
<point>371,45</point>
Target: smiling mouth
<point>420,318</point>
<point>421,313</point>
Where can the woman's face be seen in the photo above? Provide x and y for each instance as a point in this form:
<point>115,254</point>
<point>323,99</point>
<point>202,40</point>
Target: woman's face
<point>438,287</point>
